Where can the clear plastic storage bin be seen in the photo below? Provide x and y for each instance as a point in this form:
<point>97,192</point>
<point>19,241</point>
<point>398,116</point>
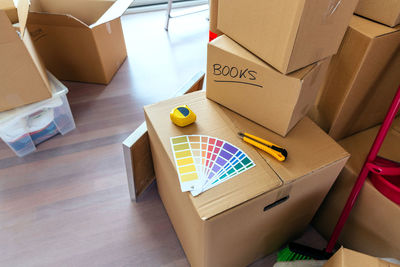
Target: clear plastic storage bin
<point>23,128</point>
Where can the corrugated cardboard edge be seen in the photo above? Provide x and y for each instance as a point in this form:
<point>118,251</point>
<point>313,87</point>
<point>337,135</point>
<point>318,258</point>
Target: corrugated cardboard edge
<point>130,145</point>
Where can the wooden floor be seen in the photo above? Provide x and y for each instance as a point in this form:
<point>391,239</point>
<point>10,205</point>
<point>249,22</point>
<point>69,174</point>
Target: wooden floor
<point>68,203</point>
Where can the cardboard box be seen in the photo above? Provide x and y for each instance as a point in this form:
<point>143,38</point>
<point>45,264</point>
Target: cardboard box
<point>79,40</point>
<point>349,258</point>
<point>22,75</point>
<point>288,34</point>
<point>10,9</point>
<point>245,84</point>
<point>256,212</point>
<point>373,224</point>
<point>214,17</point>
<point>383,11</point>
<point>362,79</point>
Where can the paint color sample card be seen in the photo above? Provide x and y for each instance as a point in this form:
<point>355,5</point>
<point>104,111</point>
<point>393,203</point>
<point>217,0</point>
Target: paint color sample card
<point>185,164</point>
<point>203,162</point>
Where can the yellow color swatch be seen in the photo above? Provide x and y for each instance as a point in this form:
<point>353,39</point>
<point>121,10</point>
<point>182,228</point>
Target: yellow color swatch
<point>181,147</point>
<point>183,154</point>
<point>189,177</point>
<point>187,169</point>
<point>186,161</point>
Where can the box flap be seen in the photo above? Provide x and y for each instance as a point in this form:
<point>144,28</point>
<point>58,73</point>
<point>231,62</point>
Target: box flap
<point>22,10</point>
<point>87,11</point>
<point>54,20</point>
<point>309,150</point>
<point>37,60</point>
<point>115,11</point>
<point>370,28</point>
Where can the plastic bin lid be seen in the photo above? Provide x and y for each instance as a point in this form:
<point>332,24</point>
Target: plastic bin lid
<point>58,90</point>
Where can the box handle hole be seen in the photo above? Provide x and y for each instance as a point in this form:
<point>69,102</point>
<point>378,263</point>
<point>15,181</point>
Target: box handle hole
<point>276,203</point>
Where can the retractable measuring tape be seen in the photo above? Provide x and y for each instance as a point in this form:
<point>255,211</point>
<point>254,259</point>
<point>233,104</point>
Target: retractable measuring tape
<point>182,116</point>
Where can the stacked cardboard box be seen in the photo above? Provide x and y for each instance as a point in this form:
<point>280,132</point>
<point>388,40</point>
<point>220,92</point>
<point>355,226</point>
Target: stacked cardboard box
<point>255,213</point>
<point>244,83</point>
<point>287,34</point>
<point>362,79</point>
<point>268,71</point>
<point>274,58</point>
<point>373,225</point>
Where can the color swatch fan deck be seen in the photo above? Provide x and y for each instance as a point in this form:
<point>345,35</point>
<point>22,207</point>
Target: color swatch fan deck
<point>203,162</point>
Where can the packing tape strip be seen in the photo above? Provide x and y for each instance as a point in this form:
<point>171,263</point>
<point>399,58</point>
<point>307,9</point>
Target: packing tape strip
<point>333,5</point>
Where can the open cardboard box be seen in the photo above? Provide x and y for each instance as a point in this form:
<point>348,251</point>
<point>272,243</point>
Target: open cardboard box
<point>79,40</point>
<point>373,224</point>
<point>362,79</point>
<point>240,81</point>
<point>22,74</point>
<point>255,213</point>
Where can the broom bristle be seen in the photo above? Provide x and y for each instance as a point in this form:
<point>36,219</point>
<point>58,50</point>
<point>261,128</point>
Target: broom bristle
<point>287,254</point>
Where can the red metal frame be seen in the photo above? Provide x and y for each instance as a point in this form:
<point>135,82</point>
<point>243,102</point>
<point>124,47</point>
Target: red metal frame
<point>212,36</point>
<point>374,165</point>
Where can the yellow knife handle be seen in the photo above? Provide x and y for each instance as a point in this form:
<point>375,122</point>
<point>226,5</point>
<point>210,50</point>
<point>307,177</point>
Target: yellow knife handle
<point>270,151</point>
<point>260,140</point>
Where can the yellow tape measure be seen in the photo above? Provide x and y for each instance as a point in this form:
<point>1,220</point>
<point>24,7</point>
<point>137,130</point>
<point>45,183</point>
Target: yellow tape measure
<point>182,116</point>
